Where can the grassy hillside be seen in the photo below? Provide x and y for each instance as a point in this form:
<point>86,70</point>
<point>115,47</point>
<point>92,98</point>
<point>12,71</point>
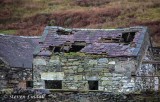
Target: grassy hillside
<point>29,17</point>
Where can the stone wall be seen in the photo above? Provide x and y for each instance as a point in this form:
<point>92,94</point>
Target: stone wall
<point>11,78</point>
<point>144,45</point>
<point>112,74</point>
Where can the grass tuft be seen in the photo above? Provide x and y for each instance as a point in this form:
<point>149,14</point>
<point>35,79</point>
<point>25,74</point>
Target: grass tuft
<point>8,31</point>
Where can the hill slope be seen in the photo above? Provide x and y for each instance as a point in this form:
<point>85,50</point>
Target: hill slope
<point>29,17</point>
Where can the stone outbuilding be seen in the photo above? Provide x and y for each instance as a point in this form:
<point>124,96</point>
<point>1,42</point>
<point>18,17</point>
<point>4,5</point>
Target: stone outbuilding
<point>16,57</point>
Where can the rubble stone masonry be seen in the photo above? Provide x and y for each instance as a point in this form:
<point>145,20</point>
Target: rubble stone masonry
<point>112,74</point>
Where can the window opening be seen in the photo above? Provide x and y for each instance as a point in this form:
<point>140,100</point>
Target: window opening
<point>29,84</point>
<point>93,85</point>
<point>53,84</point>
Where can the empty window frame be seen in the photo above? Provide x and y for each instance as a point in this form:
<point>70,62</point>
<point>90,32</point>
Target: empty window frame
<point>93,85</point>
<point>53,84</point>
<point>29,84</point>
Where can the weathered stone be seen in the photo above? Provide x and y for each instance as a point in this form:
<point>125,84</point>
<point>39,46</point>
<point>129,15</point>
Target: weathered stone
<point>55,62</point>
<point>75,63</point>
<point>72,60</point>
<point>104,83</point>
<point>80,70</point>
<point>101,88</point>
<point>119,67</point>
<point>69,64</point>
<point>103,61</point>
<point>78,77</point>
<point>104,78</point>
<point>72,87</point>
<point>105,70</point>
<point>92,78</point>
<point>112,62</point>
<point>63,64</point>
<point>39,62</point>
<point>52,76</point>
<point>63,60</point>
<point>92,62</point>
<point>108,75</point>
<point>74,67</point>
<point>69,71</point>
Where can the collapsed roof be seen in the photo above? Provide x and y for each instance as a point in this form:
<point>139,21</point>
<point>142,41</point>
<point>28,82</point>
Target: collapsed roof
<point>17,51</point>
<point>109,42</point>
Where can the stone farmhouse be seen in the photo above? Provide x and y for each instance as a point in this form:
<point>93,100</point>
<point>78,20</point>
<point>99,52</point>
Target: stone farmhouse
<point>108,60</point>
<point>98,60</point>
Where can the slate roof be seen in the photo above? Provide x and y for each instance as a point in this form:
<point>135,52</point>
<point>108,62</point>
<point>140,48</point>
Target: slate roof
<point>17,51</point>
<point>51,37</point>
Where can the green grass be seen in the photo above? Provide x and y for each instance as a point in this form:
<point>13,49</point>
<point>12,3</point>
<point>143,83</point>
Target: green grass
<point>8,31</point>
<point>74,54</point>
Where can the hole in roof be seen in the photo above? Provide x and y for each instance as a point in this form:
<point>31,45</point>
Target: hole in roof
<point>126,44</point>
<point>76,48</point>
<point>63,32</point>
<point>109,40</point>
<point>50,48</point>
<point>57,49</point>
<point>128,36</point>
<point>1,62</point>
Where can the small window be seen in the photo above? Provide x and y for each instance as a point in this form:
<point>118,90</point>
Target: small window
<point>29,84</point>
<point>93,85</point>
<point>53,84</point>
<point>133,74</point>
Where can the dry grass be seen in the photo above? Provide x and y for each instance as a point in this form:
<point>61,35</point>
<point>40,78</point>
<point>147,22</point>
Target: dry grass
<point>83,18</point>
<point>29,17</point>
<point>91,2</point>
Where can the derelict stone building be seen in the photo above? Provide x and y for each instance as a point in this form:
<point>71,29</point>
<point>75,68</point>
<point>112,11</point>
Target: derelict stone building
<point>16,57</point>
<point>90,59</point>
